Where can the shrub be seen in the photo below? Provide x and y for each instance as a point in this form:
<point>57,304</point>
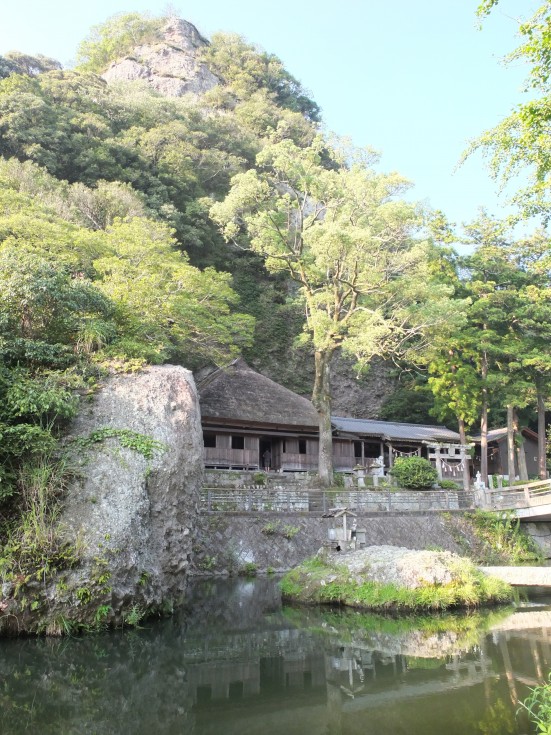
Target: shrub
<point>448,484</point>
<point>414,472</point>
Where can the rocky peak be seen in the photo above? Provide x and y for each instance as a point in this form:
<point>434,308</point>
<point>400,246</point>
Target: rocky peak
<point>184,35</point>
<point>170,65</point>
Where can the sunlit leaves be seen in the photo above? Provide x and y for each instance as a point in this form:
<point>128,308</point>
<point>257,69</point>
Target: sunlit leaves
<point>115,38</point>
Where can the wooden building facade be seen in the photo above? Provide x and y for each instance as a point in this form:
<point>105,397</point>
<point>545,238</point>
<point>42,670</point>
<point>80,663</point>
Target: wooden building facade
<point>497,452</point>
<point>245,415</point>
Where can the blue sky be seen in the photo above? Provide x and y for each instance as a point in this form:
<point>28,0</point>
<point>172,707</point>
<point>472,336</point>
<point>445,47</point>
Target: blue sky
<point>414,80</point>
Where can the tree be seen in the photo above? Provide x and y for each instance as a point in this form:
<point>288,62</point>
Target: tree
<point>346,240</point>
<point>480,366</point>
<point>533,324</point>
<point>115,38</point>
<point>521,142</point>
<point>14,62</point>
<point>246,68</point>
<point>165,309</point>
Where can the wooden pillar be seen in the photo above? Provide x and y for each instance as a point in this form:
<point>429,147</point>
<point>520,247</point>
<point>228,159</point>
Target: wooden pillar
<point>438,459</point>
<point>390,455</point>
<point>511,469</point>
<point>542,448</point>
<point>465,463</point>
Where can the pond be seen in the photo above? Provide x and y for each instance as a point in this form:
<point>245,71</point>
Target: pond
<point>238,662</point>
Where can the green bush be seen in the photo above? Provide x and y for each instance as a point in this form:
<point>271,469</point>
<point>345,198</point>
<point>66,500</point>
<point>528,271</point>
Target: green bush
<point>448,484</point>
<point>414,473</point>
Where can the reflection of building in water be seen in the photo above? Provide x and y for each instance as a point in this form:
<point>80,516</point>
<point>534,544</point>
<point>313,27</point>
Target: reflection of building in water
<point>333,684</point>
<point>255,664</point>
<point>525,650</point>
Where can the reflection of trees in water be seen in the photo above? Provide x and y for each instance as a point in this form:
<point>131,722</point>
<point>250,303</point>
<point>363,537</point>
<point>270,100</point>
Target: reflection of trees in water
<point>113,683</point>
<point>234,646</point>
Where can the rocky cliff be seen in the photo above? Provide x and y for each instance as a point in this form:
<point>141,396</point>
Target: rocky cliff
<point>170,66</point>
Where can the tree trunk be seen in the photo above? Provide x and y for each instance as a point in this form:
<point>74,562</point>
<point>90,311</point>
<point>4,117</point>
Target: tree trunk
<point>542,443</point>
<point>321,398</point>
<point>521,450</point>
<point>511,471</point>
<point>466,458</point>
<point>484,425</point>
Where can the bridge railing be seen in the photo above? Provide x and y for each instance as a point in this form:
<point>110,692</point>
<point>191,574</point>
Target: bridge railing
<point>519,496</point>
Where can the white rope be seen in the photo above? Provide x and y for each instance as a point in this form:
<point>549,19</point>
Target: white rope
<point>452,467</point>
<point>398,453</point>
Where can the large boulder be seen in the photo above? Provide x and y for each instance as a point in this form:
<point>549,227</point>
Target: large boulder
<point>130,509</point>
<point>139,509</point>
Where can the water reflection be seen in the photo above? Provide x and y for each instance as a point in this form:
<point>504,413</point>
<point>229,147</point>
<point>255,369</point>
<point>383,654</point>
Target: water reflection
<point>236,662</point>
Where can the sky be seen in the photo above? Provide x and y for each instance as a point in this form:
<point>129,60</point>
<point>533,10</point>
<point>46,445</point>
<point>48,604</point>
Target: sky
<point>414,79</point>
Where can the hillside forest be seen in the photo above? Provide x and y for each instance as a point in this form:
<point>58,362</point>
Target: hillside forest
<point>141,228</point>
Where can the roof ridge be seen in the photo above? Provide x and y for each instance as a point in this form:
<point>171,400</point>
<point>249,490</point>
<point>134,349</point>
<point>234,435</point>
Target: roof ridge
<point>399,423</point>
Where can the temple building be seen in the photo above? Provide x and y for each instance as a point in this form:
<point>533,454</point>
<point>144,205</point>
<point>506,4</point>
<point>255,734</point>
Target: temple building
<point>251,422</point>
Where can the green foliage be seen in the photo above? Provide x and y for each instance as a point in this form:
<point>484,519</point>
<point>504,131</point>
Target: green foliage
<point>520,144</point>
<point>134,616</point>
<point>115,38</point>
<point>270,528</point>
<point>410,404</point>
<point>249,569</point>
<point>246,69</point>
<point>289,531</point>
<point>323,582</point>
<point>33,547</point>
<point>414,473</point>
<point>144,445</point>
<point>504,538</point>
<point>102,613</point>
<point>273,528</point>
<point>448,485</point>
<point>538,706</point>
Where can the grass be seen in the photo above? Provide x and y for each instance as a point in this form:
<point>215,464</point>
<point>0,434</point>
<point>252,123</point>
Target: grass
<point>538,706</point>
<point>320,582</point>
<point>34,547</point>
<point>503,538</point>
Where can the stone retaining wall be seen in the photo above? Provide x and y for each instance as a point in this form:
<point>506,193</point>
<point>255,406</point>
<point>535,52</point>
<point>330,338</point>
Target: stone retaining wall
<point>541,534</point>
<point>233,543</point>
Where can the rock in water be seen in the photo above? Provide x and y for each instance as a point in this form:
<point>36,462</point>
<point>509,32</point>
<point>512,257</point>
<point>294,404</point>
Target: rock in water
<point>393,578</point>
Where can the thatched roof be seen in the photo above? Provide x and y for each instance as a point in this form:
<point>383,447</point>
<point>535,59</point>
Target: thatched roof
<point>240,394</point>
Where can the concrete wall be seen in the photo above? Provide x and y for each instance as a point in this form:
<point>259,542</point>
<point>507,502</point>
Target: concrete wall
<point>227,542</point>
<point>541,534</point>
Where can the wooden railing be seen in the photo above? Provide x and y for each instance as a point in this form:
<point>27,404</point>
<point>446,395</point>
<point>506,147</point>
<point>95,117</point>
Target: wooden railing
<point>216,457</point>
<point>258,499</point>
<point>519,496</point>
